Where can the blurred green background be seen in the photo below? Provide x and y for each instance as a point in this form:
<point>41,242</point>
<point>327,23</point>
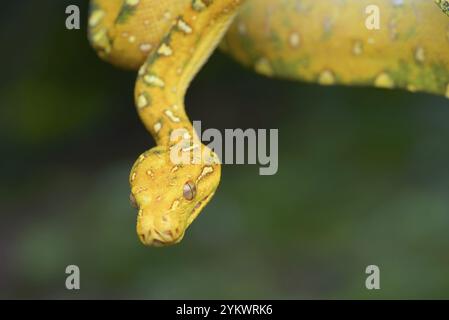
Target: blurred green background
<point>363,179</point>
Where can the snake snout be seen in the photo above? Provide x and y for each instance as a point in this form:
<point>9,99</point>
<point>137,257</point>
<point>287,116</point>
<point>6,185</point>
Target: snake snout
<point>159,231</point>
<point>157,238</point>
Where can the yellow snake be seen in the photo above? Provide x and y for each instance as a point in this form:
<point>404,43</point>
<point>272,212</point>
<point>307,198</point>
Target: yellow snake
<point>323,41</point>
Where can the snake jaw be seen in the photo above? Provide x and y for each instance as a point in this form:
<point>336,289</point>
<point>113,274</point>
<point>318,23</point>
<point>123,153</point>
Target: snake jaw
<point>159,230</point>
<point>158,191</point>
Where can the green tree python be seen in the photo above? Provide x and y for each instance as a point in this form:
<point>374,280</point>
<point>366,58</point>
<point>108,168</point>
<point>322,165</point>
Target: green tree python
<point>322,41</point>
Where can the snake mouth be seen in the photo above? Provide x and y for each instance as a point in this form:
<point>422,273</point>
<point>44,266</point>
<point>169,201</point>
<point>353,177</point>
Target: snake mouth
<point>153,242</point>
<point>200,203</point>
<point>155,238</point>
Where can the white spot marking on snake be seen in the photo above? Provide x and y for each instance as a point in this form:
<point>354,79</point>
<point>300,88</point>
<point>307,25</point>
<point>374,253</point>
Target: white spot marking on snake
<point>154,81</point>
<point>132,3</point>
<point>263,66</point>
<point>145,47</point>
<point>175,205</point>
<point>142,101</point>
<point>171,116</point>
<point>167,15</point>
<point>384,80</point>
<point>132,39</point>
<point>100,39</point>
<point>205,172</point>
<point>96,17</point>
<point>294,40</point>
<point>165,50</point>
<point>420,55</point>
<point>184,27</point>
<point>357,48</point>
<point>198,5</point>
<point>326,78</point>
<point>143,69</point>
<point>157,127</point>
<point>150,173</point>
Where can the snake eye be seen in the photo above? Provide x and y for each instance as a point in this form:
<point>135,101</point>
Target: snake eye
<point>133,201</point>
<point>189,190</point>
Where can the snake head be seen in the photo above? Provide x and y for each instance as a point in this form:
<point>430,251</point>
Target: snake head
<point>170,196</point>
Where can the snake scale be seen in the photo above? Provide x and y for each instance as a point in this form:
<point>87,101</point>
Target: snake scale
<point>322,41</point>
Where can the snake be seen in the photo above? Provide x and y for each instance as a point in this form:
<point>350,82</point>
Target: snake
<point>326,42</point>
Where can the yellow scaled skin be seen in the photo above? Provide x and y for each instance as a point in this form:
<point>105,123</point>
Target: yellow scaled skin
<point>326,41</point>
<point>182,35</point>
<point>323,41</point>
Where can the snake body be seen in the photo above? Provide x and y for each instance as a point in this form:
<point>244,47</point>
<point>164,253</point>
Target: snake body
<point>324,41</point>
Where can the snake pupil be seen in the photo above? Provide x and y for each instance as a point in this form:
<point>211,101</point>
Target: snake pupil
<point>189,190</point>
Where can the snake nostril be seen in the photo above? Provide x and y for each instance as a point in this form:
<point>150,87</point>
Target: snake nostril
<point>132,201</point>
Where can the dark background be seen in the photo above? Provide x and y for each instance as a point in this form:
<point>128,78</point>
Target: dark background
<point>363,179</point>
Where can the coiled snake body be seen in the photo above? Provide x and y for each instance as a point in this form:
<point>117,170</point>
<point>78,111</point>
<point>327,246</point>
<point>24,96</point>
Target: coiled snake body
<point>323,41</point>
